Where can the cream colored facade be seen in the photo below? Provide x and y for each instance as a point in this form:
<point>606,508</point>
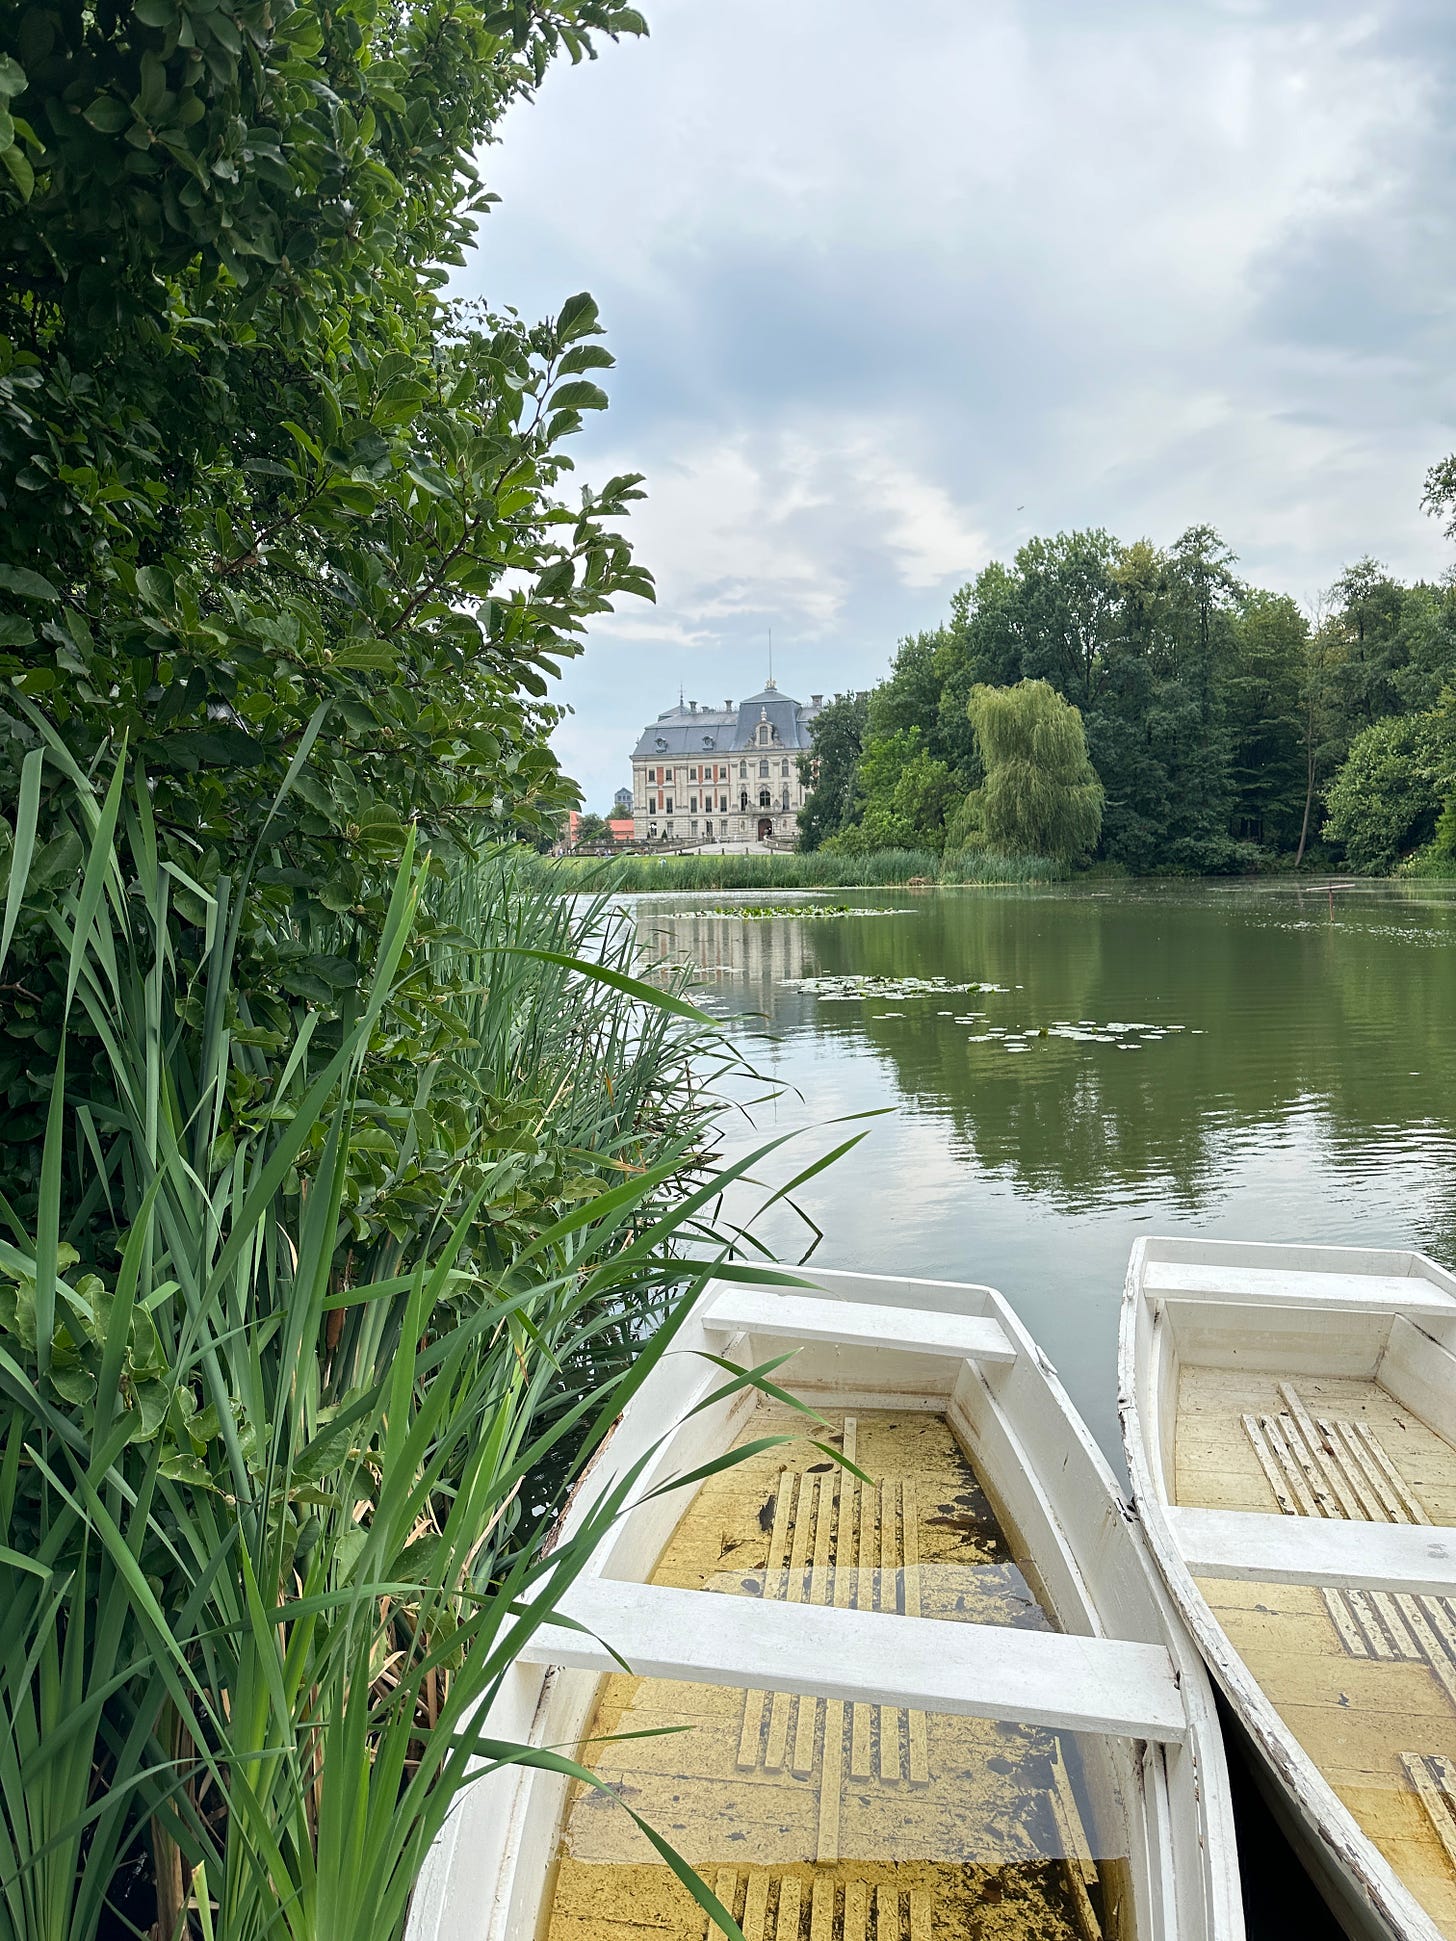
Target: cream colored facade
<point>723,775</point>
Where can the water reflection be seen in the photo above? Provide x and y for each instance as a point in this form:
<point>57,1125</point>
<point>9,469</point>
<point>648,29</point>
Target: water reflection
<point>1290,1077</point>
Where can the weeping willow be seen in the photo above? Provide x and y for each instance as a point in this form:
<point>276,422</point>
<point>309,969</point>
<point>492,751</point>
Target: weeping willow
<point>1041,796</point>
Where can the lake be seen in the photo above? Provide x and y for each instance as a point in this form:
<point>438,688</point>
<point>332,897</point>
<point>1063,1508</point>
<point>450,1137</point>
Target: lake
<point>1255,1061</point>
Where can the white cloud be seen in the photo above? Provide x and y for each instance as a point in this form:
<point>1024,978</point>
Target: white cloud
<point>779,524</point>
<point>888,297</point>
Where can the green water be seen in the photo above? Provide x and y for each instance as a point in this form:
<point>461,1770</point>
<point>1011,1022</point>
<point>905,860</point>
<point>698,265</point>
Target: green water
<point>1291,1079</point>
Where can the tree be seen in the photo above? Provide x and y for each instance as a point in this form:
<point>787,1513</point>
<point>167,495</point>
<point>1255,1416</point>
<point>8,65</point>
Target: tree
<point>1265,719</point>
<point>903,795</point>
<point>1041,796</point>
<point>1067,611</point>
<point>1391,793</point>
<point>839,729</point>
<point>591,828</point>
<point>272,510</point>
<point>1196,656</point>
<point>1366,609</point>
<point>261,486</point>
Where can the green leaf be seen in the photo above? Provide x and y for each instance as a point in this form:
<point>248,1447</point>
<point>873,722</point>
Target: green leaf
<point>21,173</point>
<point>23,845</point>
<point>12,77</point>
<point>107,114</point>
<point>579,317</point>
<point>586,357</point>
<point>367,656</point>
<point>28,585</point>
<point>579,395</point>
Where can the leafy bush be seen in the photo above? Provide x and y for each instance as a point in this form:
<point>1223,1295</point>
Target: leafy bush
<point>272,510</point>
<point>1385,800</point>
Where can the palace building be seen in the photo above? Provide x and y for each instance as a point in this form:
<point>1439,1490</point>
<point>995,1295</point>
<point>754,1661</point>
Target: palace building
<point>723,775</point>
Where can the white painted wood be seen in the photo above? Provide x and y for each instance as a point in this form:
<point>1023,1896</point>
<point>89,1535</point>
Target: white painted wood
<point>977,1670</point>
<point>794,1317</point>
<point>1368,1897</point>
<point>894,1290</point>
<point>1332,1552</point>
<point>1276,1287</point>
<point>1420,1372</point>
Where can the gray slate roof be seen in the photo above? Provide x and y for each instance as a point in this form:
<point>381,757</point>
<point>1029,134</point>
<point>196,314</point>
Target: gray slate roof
<point>685,731</point>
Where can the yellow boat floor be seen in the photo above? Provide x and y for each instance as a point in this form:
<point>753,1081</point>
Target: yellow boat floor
<point>815,1820</point>
<point>1365,1681</point>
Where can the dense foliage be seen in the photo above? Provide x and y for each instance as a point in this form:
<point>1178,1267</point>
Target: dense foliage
<point>1224,726</point>
<point>821,869</point>
<point>1040,796</point>
<point>270,507</point>
<point>270,1502</point>
<point>344,1204</point>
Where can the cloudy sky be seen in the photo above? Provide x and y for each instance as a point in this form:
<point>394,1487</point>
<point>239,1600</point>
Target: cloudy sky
<point>892,288</point>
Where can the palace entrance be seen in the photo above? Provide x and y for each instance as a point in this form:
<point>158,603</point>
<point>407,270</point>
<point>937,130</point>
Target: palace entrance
<point>765,827</point>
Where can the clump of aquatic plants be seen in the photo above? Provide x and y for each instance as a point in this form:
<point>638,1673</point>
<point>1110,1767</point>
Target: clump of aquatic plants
<point>772,912</point>
<point>271,1504</point>
<point>837,987</point>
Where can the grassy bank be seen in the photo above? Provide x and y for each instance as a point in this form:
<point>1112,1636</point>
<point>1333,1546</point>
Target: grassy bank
<point>884,868</point>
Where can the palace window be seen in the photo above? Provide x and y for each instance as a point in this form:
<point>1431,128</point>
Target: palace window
<point>785,803</point>
<point>765,800</point>
<point>743,798</point>
<point>783,768</point>
<point>763,770</point>
<point>692,775</point>
<point>693,805</point>
<point>669,805</point>
<point>743,771</point>
<point>652,774</point>
<point>722,805</point>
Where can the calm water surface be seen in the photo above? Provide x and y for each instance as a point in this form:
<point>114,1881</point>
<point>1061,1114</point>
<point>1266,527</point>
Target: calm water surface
<point>1283,1071</point>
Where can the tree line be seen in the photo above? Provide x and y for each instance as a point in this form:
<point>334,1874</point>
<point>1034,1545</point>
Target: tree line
<point>1228,728</point>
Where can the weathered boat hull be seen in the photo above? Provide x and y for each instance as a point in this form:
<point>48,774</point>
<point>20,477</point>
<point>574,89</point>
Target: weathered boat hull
<point>1294,1319</point>
<point>1120,1668</point>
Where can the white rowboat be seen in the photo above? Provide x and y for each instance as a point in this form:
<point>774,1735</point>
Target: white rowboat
<point>1289,1416</point>
<point>920,1704</point>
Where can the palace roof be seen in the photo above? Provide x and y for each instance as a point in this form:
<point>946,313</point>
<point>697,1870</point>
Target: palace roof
<point>689,730</point>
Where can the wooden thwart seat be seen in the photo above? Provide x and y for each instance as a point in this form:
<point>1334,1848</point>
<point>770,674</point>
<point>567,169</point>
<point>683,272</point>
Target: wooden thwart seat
<point>859,1324</point>
<point>1276,1286</point>
<point>1343,1553</point>
<point>1053,1679</point>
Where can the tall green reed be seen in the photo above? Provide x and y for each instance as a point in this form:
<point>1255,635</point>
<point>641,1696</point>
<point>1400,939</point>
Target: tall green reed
<point>817,870</point>
<point>270,1514</point>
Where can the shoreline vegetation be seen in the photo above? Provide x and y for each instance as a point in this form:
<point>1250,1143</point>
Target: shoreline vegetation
<point>893,869</point>
<point>888,868</point>
<point>352,1182</point>
<point>1147,707</point>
